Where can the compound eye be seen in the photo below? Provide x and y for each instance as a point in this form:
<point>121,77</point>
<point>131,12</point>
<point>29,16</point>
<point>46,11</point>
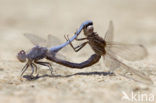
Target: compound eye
<point>21,56</point>
<point>90,28</point>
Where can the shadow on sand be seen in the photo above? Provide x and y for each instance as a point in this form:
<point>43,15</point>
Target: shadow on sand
<point>28,77</point>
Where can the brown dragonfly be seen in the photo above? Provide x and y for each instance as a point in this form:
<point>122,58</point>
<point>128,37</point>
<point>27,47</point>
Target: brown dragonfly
<point>111,52</point>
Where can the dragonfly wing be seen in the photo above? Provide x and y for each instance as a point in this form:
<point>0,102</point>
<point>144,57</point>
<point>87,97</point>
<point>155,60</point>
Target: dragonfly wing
<point>109,34</point>
<point>61,56</point>
<point>53,41</point>
<point>126,71</point>
<point>110,63</point>
<point>130,52</point>
<point>36,40</point>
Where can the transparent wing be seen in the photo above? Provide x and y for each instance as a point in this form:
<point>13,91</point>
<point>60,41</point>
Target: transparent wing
<point>61,56</point>
<point>109,34</point>
<point>122,69</point>
<point>53,41</point>
<point>129,52</point>
<point>110,63</point>
<point>36,40</point>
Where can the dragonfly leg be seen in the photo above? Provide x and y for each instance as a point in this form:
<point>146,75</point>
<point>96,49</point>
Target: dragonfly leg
<point>36,69</point>
<point>80,39</point>
<point>46,64</point>
<point>32,68</point>
<point>77,48</point>
<point>24,69</point>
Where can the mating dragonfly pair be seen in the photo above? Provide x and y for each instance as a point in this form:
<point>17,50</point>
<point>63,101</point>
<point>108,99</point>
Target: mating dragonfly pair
<point>106,48</point>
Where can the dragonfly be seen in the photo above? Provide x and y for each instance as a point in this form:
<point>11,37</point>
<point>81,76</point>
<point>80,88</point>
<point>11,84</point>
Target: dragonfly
<point>40,51</point>
<point>111,52</point>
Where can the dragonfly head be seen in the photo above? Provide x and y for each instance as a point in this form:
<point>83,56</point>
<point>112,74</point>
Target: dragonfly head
<point>21,56</point>
<point>88,30</point>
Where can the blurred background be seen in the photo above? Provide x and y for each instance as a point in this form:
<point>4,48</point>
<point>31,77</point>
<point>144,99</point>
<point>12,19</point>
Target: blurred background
<point>134,22</point>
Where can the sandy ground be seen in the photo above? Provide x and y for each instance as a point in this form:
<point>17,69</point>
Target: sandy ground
<point>134,21</point>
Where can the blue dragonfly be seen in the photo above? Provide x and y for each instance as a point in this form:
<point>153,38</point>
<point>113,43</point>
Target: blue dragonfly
<point>40,51</point>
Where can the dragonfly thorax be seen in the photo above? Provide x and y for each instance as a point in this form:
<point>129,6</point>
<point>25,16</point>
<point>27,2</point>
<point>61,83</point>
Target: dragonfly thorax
<point>37,53</point>
<point>97,43</point>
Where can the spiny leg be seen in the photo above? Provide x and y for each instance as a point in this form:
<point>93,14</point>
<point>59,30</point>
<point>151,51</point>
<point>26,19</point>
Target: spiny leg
<point>67,39</point>
<point>46,64</point>
<point>24,69</point>
<point>32,68</point>
<point>79,47</point>
<point>80,39</point>
<point>36,69</point>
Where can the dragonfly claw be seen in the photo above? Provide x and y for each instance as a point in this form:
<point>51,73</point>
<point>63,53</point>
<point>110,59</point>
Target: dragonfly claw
<point>66,37</point>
